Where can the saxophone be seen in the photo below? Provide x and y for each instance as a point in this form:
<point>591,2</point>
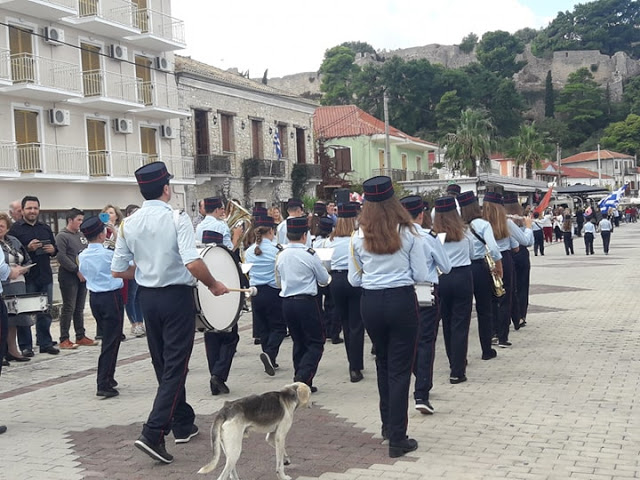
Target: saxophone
<point>498,285</point>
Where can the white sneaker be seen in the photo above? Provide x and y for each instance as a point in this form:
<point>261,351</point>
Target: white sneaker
<point>139,331</point>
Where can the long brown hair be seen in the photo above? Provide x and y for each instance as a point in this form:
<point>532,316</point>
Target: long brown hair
<point>494,214</point>
<point>344,227</point>
<point>566,225</point>
<point>426,220</point>
<point>380,221</point>
<point>470,212</point>
<point>450,223</point>
<point>259,232</point>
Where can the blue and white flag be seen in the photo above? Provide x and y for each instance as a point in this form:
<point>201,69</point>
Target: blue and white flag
<point>612,200</point>
<point>276,143</point>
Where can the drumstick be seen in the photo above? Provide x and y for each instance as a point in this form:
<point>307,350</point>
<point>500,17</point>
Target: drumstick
<point>252,291</point>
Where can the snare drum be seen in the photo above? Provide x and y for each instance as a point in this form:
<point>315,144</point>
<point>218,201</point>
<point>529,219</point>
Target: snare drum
<point>220,313</point>
<point>26,303</point>
<point>424,292</point>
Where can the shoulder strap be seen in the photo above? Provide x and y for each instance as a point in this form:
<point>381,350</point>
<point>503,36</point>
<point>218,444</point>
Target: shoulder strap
<point>473,230</point>
<point>311,251</point>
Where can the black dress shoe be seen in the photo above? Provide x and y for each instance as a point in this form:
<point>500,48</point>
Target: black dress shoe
<point>5,363</point>
<point>2,429</point>
<point>313,389</point>
<point>27,352</point>
<point>11,358</point>
<point>113,383</point>
<point>398,449</point>
<point>456,380</point>
<point>108,392</point>
<point>355,376</point>
<point>491,354</point>
<point>51,350</point>
<point>157,452</point>
<point>216,383</point>
<point>337,340</point>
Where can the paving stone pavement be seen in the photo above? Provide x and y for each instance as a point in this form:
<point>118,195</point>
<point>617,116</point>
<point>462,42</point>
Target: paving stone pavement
<point>562,403</point>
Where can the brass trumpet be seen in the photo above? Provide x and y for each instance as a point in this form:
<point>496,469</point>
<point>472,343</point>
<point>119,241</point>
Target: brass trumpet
<point>498,284</point>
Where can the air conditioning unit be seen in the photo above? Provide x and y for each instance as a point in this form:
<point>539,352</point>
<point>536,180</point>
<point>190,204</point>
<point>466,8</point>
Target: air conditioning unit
<point>53,35</point>
<point>163,64</point>
<point>118,52</point>
<point>123,125</point>
<point>167,131</point>
<point>59,117</point>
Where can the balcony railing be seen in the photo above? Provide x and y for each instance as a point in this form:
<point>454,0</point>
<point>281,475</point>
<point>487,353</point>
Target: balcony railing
<point>212,165</point>
<point>313,171</point>
<point>423,175</point>
<point>50,159</point>
<point>27,68</point>
<point>396,174</point>
<point>160,25</point>
<point>5,70</point>
<point>180,167</point>
<point>154,94</point>
<point>256,167</point>
<point>8,157</point>
<point>98,83</point>
<point>117,11</point>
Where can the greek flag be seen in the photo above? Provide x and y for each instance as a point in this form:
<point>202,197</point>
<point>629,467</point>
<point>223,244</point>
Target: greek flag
<point>612,200</point>
<point>276,143</point>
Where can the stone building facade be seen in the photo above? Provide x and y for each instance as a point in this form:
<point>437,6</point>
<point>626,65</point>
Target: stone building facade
<point>231,136</point>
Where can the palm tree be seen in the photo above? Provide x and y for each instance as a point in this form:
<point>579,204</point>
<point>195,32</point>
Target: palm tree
<point>528,148</point>
<point>470,146</point>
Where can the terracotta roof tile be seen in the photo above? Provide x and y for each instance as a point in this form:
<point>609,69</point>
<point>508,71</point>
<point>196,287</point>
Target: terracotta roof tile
<point>350,121</point>
<point>593,155</point>
<point>571,172</point>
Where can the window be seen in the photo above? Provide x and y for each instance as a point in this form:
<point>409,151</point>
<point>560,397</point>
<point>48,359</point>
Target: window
<point>419,164</point>
<point>143,77</point>
<point>97,144</point>
<point>27,140</point>
<point>201,131</point>
<point>284,141</point>
<point>91,74</point>
<point>404,161</point>
<point>301,147</point>
<point>22,62</point>
<point>148,143</point>
<point>257,144</point>
<point>226,128</point>
<point>343,160</point>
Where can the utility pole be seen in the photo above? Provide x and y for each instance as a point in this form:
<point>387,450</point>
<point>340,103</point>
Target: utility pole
<point>559,160</point>
<point>599,168</point>
<point>387,153</point>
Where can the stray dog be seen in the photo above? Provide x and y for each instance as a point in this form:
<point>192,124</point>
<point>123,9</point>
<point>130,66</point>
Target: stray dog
<point>271,412</point>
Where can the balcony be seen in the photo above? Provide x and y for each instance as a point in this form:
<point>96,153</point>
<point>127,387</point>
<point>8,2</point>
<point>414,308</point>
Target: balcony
<point>160,101</point>
<point>180,167</point>
<point>109,91</point>
<point>396,174</point>
<point>213,165</point>
<point>423,175</point>
<point>159,31</point>
<point>41,78</point>
<point>312,172</point>
<point>43,9</point>
<point>110,18</point>
<point>5,68</point>
<point>269,170</point>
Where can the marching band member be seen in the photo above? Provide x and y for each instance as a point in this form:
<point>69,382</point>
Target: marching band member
<point>346,297</point>
<point>299,271</point>
<point>387,260</point>
<point>267,304</point>
<point>162,245</point>
<point>214,221</point>
<point>330,320</point>
<point>521,260</point>
<point>456,287</point>
<point>319,212</point>
<point>294,210</point>
<point>429,315</point>
<point>220,347</point>
<point>481,239</point>
<point>589,233</point>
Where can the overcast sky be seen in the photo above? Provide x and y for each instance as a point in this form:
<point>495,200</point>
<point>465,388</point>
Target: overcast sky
<point>291,36</point>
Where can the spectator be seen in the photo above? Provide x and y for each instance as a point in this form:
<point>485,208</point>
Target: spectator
<point>15,210</point>
<point>38,238</point>
<point>133,308</point>
<point>73,287</point>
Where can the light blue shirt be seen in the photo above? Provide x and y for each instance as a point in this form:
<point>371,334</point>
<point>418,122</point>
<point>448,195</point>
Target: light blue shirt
<point>372,271</point>
<point>435,253</point>
<point>340,256</point>
<point>263,271</point>
<point>589,228</point>
<point>281,235</point>
<point>159,245</point>
<point>215,225</point>
<point>459,253</point>
<point>522,235</point>
<point>320,242</point>
<point>605,225</point>
<point>95,266</point>
<point>5,271</point>
<point>299,272</point>
<point>483,228</point>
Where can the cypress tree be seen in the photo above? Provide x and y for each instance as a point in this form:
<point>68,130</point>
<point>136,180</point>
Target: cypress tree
<point>549,108</point>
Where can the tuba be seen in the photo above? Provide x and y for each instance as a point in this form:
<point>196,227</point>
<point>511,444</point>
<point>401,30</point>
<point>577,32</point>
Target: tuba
<point>238,216</point>
<point>498,285</point>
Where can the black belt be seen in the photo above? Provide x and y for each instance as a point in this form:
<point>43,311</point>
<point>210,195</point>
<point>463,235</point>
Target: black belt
<point>301,297</point>
<point>339,271</point>
<point>478,260</point>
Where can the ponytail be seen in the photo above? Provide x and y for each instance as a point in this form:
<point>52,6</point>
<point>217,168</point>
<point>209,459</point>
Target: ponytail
<point>259,232</point>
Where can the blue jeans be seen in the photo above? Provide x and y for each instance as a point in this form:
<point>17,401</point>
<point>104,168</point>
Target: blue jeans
<point>133,308</point>
<point>43,321</point>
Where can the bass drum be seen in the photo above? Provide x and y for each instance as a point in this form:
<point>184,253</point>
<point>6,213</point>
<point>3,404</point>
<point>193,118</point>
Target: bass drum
<point>218,314</point>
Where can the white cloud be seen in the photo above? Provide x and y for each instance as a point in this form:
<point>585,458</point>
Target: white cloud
<point>291,36</point>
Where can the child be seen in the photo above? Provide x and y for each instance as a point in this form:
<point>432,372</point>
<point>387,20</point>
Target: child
<point>299,271</point>
<point>106,301</point>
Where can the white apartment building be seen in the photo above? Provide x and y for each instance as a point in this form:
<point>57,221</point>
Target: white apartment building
<point>87,95</point>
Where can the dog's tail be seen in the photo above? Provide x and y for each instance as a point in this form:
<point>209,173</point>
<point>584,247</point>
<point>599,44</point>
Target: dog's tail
<point>215,444</point>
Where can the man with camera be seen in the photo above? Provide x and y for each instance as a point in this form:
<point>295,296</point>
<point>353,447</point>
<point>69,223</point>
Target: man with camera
<point>38,238</point>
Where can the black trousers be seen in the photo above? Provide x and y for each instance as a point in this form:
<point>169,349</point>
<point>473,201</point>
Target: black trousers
<point>538,242</point>
<point>108,310</point>
<point>522,273</point>
<point>588,243</point>
<point>483,293</point>
<point>429,318</point>
<point>4,331</point>
<point>502,305</point>
<point>391,319</point>
<point>346,299</point>
<point>606,239</point>
<point>456,302</point>
<point>268,321</point>
<point>568,242</point>
<point>170,317</point>
<point>307,332</point>
<point>579,228</point>
<point>220,348</point>
<point>328,315</point>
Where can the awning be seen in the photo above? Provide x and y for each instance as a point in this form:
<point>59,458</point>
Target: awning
<point>512,184</point>
<point>581,190</point>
